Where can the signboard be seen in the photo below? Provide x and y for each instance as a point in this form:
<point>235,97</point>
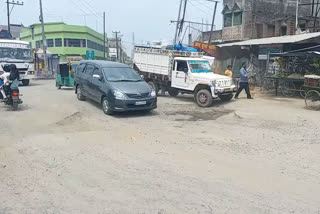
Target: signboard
<point>210,49</point>
<point>90,55</point>
<point>266,49</point>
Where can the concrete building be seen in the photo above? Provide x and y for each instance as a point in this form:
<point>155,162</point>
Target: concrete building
<point>15,30</point>
<point>66,40</point>
<point>254,19</point>
<point>251,19</point>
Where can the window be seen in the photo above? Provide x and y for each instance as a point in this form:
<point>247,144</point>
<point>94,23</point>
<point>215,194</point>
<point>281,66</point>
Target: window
<point>283,30</point>
<point>58,42</point>
<point>80,68</point>
<point>89,70</point>
<point>50,43</point>
<point>237,18</point>
<point>227,20</point>
<point>95,46</point>
<point>182,66</point>
<point>38,44</point>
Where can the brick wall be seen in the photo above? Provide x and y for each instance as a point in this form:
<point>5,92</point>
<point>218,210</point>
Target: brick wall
<point>263,14</point>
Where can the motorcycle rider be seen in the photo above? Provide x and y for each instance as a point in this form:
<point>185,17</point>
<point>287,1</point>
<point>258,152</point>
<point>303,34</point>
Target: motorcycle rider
<point>4,77</point>
<point>14,76</point>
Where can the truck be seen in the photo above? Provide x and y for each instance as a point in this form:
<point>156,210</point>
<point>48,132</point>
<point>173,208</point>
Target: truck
<point>182,72</point>
<point>19,53</point>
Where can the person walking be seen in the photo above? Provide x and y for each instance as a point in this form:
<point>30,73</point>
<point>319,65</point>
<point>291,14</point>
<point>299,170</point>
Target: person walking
<point>244,82</point>
<point>228,72</point>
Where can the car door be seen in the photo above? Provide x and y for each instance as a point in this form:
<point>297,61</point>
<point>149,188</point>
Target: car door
<point>86,80</point>
<point>180,79</point>
<point>96,86</point>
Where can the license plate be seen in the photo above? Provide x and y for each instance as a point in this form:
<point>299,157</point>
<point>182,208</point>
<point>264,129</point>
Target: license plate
<point>140,103</point>
<point>227,89</point>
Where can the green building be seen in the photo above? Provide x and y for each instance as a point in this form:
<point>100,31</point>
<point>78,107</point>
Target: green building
<point>66,40</point>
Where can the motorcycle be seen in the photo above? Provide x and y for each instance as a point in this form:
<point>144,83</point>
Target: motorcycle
<point>13,97</point>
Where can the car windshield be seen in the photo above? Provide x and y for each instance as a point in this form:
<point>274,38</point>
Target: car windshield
<point>15,53</point>
<point>199,66</point>
<point>123,74</point>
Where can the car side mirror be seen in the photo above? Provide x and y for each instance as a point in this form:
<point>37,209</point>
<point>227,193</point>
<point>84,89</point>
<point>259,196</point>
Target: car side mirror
<point>96,76</point>
<point>185,70</point>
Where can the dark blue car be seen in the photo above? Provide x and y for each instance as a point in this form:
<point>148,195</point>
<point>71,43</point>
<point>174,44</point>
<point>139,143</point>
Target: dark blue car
<point>116,86</point>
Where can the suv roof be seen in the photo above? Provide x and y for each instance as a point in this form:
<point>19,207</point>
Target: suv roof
<point>106,64</point>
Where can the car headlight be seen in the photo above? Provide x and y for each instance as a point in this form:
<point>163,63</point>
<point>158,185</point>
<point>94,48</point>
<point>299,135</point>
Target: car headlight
<point>119,95</point>
<point>153,93</point>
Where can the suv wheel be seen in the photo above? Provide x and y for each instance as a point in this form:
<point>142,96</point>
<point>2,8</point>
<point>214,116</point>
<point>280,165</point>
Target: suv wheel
<point>204,98</point>
<point>80,95</point>
<point>105,106</point>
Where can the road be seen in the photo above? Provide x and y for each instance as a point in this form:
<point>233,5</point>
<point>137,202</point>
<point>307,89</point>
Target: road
<point>60,155</point>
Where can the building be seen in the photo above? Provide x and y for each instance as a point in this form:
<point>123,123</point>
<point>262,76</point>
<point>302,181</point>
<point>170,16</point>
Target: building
<point>15,30</point>
<point>254,19</point>
<point>251,19</point>
<point>66,40</point>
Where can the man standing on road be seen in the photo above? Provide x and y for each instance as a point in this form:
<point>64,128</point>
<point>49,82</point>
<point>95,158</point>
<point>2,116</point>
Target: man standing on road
<point>244,82</point>
<point>228,72</point>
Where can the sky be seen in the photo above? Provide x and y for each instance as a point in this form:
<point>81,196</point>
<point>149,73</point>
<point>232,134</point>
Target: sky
<point>148,19</point>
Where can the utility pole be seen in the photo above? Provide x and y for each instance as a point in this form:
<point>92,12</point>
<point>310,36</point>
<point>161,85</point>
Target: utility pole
<point>104,35</point>
<point>133,45</point>
<point>9,11</point>
<point>213,20</point>
<point>44,41</point>
<point>117,44</point>
<point>178,23</point>
<point>297,16</point>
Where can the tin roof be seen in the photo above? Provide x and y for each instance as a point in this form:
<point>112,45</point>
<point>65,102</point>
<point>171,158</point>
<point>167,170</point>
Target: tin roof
<point>274,40</point>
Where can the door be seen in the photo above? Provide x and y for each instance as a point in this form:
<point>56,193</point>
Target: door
<point>86,80</point>
<point>180,74</point>
<point>96,86</point>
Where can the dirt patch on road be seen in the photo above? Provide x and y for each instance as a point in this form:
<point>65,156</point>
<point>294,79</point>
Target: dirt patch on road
<point>70,119</point>
<point>198,116</point>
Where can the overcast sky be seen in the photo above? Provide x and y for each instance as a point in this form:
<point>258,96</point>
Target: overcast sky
<point>149,19</point>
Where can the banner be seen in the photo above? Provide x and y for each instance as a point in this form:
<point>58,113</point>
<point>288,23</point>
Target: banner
<point>210,49</point>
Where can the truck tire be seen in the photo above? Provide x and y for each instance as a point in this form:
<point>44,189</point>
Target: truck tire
<point>204,98</point>
<point>154,86</point>
<point>173,92</point>
<point>226,98</point>
<point>25,82</point>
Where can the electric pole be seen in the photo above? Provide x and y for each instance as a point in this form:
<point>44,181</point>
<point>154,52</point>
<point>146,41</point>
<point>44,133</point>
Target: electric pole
<point>9,11</point>
<point>133,46</point>
<point>178,23</point>
<point>117,44</point>
<point>213,20</point>
<point>104,35</point>
<point>44,41</point>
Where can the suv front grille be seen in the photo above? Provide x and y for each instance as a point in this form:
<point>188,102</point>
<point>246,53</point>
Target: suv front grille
<point>138,96</point>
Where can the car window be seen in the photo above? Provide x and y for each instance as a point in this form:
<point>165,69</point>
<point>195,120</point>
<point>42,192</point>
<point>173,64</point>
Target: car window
<point>182,66</point>
<point>97,71</point>
<point>124,74</point>
<point>89,69</point>
<point>80,68</point>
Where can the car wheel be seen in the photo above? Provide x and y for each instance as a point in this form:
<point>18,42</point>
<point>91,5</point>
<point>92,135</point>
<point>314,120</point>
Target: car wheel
<point>105,106</point>
<point>80,96</point>
<point>204,98</point>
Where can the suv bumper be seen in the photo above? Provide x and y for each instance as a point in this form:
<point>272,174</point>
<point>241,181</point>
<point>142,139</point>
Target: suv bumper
<point>133,105</point>
<point>216,91</point>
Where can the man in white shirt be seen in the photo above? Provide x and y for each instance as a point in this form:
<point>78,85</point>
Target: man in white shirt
<point>4,77</point>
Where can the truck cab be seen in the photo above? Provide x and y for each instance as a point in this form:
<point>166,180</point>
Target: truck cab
<point>194,75</point>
